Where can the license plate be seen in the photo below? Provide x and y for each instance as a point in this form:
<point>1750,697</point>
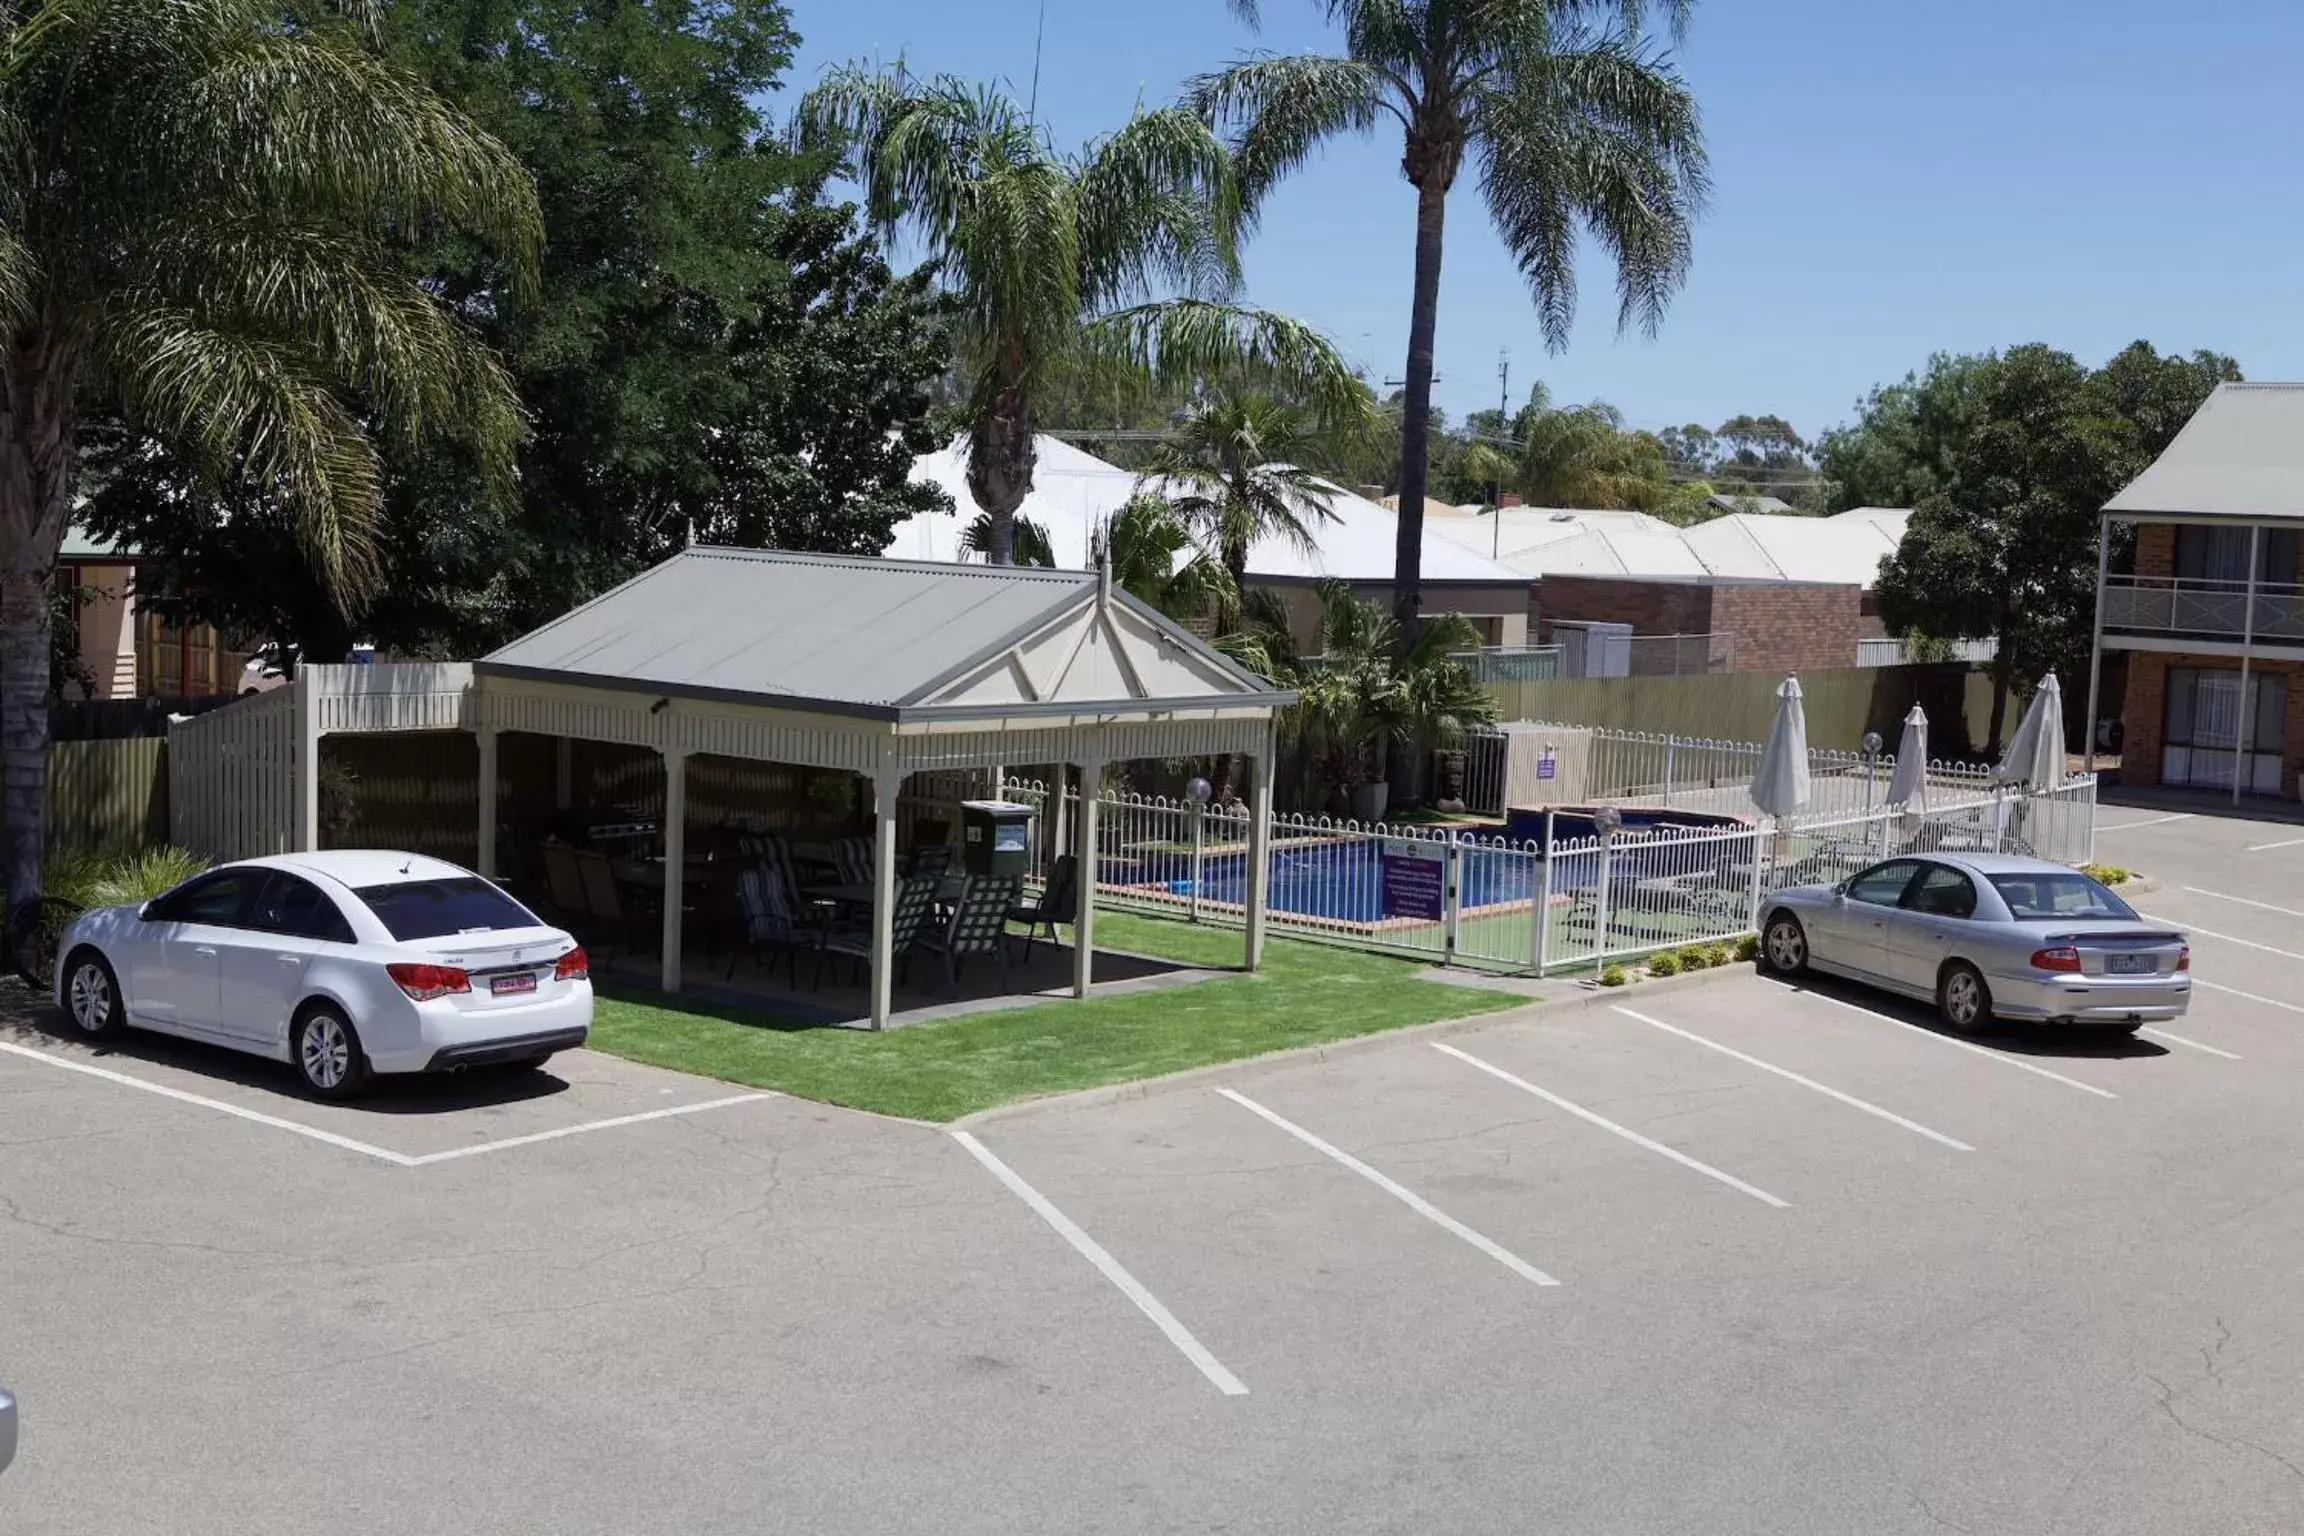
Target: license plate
<point>503,986</point>
<point>2130,965</point>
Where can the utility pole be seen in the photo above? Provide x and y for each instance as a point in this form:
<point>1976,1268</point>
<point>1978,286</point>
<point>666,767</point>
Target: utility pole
<point>1503,424</point>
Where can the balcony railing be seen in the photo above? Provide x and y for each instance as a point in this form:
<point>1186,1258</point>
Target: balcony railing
<point>2189,606</point>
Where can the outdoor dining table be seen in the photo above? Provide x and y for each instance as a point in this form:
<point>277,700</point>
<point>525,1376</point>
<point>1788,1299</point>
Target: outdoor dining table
<point>859,894</point>
<point>648,874</point>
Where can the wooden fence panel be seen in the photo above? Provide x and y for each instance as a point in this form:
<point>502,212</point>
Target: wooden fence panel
<point>107,796</point>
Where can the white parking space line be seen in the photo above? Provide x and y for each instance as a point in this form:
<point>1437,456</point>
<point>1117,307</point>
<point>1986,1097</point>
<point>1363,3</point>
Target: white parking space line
<point>2176,1039</point>
<point>2156,821</point>
<point>2222,938</point>
<point>1405,1196</point>
<point>478,1148</point>
<point>397,1159</point>
<point>2286,842</point>
<point>1788,1075</point>
<point>2240,901</point>
<point>1975,1050</point>
<point>1638,1140</point>
<point>2269,1002</point>
<point>1089,1249</point>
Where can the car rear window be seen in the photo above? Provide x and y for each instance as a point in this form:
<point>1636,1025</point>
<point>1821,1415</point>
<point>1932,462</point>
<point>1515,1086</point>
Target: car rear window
<point>2058,893</point>
<point>432,909</point>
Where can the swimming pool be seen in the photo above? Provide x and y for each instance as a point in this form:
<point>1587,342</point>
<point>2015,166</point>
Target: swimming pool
<point>1342,881</point>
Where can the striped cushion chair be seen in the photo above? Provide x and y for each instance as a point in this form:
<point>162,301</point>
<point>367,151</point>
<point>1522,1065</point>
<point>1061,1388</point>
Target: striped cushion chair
<point>852,856</point>
<point>771,920</point>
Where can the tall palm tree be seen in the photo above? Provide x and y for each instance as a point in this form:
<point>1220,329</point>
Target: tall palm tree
<point>1578,124</point>
<point>199,207</point>
<point>1583,456</point>
<point>1234,470</point>
<point>1123,256</point>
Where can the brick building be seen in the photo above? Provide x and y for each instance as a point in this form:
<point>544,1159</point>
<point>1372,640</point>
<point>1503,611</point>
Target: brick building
<point>2211,618</point>
<point>1756,625</point>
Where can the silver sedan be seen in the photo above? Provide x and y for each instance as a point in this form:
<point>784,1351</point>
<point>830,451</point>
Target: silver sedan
<point>1986,936</point>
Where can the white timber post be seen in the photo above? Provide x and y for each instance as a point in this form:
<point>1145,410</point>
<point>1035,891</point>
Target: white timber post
<point>887,785</point>
<point>2096,647</point>
<point>1258,893</point>
<point>1084,850</point>
<point>2247,714</point>
<point>307,720</point>
<point>675,859</point>
<point>486,737</point>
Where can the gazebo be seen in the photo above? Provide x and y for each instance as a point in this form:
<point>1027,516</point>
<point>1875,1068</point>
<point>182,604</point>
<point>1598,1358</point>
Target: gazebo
<point>882,669</point>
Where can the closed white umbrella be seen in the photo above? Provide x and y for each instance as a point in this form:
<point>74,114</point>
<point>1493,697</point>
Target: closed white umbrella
<point>1908,786</point>
<point>2035,754</point>
<point>1780,786</point>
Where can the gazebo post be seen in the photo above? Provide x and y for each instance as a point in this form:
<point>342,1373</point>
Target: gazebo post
<point>1259,849</point>
<point>1084,850</point>
<point>675,859</point>
<point>887,784</point>
<point>485,736</point>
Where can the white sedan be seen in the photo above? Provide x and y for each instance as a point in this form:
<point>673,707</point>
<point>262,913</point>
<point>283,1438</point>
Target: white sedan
<point>343,963</point>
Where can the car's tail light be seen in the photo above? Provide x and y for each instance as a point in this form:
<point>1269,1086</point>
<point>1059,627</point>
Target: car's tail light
<point>2184,958</point>
<point>424,982</point>
<point>2063,957</point>
<point>572,966</point>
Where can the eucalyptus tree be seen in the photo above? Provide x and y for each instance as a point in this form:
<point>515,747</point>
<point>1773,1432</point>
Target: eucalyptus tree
<point>1122,257</point>
<point>1578,123</point>
<point>202,210</point>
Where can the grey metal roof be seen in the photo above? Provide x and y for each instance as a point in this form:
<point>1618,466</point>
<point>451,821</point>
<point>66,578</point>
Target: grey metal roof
<point>2240,456</point>
<point>848,635</point>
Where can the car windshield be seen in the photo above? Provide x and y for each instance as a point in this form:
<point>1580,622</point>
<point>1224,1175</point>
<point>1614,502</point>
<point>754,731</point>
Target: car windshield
<point>2058,893</point>
<point>431,909</point>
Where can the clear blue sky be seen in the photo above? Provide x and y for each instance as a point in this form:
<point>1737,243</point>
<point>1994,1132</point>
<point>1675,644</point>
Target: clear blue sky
<point>1891,180</point>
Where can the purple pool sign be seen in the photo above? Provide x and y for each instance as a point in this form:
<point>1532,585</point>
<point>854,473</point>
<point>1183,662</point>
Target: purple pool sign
<point>1415,877</point>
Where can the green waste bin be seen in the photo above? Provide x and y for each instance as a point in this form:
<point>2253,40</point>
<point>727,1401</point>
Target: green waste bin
<point>995,838</point>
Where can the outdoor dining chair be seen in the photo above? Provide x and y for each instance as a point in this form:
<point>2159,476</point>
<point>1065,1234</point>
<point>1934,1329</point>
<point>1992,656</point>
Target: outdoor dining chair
<point>852,859</point>
<point>563,882</point>
<point>612,919</point>
<point>915,906</point>
<point>979,926</point>
<point>1059,902</point>
<point>928,859</point>
<point>771,920</point>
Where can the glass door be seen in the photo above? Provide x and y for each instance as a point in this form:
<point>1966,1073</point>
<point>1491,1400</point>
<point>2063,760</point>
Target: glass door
<point>2202,729</point>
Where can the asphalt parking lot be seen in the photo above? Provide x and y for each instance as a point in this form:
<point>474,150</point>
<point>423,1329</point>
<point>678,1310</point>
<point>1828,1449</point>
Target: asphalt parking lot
<point>1716,1258</point>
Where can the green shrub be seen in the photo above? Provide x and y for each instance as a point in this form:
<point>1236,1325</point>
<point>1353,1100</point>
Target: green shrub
<point>1748,948</point>
<point>1665,964</point>
<point>1692,957</point>
<point>120,879</point>
<point>2106,874</point>
<point>1612,975</point>
<point>1715,955</point>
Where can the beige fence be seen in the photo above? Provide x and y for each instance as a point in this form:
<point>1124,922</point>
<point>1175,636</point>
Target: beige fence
<point>232,779</point>
<point>1841,704</point>
<point>107,796</point>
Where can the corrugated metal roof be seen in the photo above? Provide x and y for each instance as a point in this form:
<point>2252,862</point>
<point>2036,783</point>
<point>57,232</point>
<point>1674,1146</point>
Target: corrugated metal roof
<point>2241,455</point>
<point>1074,493</point>
<point>858,635</point>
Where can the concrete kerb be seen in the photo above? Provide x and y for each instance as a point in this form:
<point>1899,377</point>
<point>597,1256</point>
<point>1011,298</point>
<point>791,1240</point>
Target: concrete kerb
<point>1585,997</point>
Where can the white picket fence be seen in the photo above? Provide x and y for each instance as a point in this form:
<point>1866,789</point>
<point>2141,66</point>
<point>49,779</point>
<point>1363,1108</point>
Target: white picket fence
<point>1542,905</point>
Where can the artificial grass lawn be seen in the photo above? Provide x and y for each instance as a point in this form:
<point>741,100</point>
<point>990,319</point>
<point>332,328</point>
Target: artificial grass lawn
<point>1306,994</point>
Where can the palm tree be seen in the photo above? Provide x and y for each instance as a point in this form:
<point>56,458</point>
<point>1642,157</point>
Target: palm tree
<point>1028,542</point>
<point>200,204</point>
<point>1155,558</point>
<point>1120,258</point>
<point>1578,124</point>
<point>1582,456</point>
<point>1233,468</point>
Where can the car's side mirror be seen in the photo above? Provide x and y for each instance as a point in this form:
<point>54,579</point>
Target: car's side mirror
<point>7,1429</point>
<point>144,912</point>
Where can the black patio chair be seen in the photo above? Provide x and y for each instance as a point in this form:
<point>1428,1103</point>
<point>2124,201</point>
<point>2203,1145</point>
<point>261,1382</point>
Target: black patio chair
<point>772,920</point>
<point>979,926</point>
<point>928,859</point>
<point>915,906</point>
<point>1059,902</point>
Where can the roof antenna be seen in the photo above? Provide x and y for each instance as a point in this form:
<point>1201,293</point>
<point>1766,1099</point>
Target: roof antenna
<point>1039,35</point>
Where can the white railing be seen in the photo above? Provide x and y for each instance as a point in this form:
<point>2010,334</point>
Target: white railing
<point>2194,606</point>
<point>1542,905</point>
<point>1695,774</point>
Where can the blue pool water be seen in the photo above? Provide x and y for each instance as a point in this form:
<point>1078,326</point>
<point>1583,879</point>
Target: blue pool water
<point>1341,880</point>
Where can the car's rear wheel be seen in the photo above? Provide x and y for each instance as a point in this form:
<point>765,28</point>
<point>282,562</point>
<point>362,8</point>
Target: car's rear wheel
<point>1962,998</point>
<point>92,996</point>
<point>1784,945</point>
<point>328,1053</point>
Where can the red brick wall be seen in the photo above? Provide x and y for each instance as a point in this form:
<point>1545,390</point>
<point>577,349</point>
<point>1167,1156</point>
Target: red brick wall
<point>1650,607</point>
<point>1782,628</point>
<point>2156,549</point>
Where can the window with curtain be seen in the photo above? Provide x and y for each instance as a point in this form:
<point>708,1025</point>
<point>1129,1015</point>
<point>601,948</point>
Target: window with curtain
<point>2221,554</point>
